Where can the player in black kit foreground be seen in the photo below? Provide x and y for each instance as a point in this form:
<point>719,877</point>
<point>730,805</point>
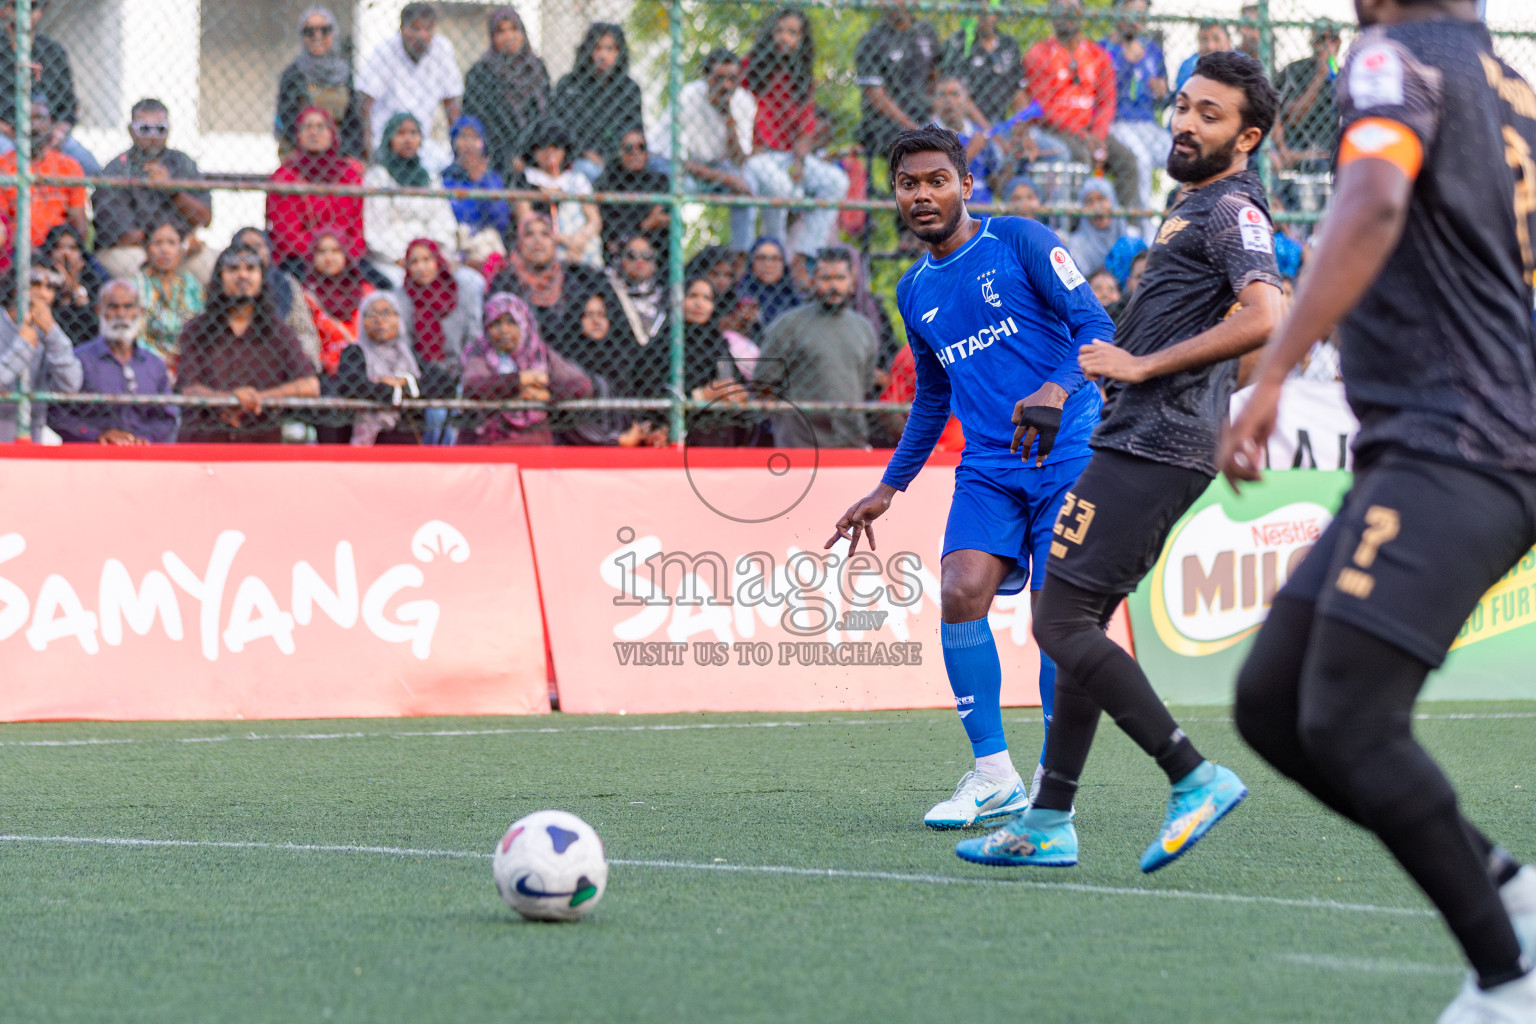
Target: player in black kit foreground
<point>1426,266</point>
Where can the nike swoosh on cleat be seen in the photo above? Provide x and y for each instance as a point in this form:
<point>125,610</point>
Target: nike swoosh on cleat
<point>1192,821</point>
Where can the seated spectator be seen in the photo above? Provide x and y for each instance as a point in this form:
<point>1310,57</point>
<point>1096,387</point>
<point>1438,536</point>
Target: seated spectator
<point>638,285</point>
<point>1248,30</point>
<point>781,74</point>
<point>413,72</point>
<point>239,348</point>
<point>1073,80</point>
<point>507,89</point>
<point>989,63</point>
<point>52,205</point>
<point>482,223</point>
<point>52,79</point>
<point>736,324</point>
<point>821,352</point>
<point>1107,290</point>
<point>1307,129</point>
<point>287,292</point>
<point>767,284</point>
<point>334,289</point>
<point>511,361</point>
<point>121,213</point>
<point>75,308</point>
<point>1141,89</point>
<point>393,220</point>
<point>631,172</point>
<point>722,266</point>
<point>169,294</point>
<point>35,356</point>
<point>1097,229</point>
<point>901,387</point>
<point>605,348</point>
<point>578,225</point>
<point>1213,39</point>
<point>442,322</point>
<point>951,102</point>
<point>867,304</point>
<point>1023,198</point>
<point>895,63</point>
<point>382,368</point>
<point>293,219</point>
<point>598,85</point>
<point>115,363</point>
<point>556,291</point>
<point>320,76</point>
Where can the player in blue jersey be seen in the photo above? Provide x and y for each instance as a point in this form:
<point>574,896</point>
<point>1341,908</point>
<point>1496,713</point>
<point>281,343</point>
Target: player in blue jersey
<point>995,310</point>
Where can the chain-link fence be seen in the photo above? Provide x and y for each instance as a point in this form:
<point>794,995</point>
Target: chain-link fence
<point>577,221</point>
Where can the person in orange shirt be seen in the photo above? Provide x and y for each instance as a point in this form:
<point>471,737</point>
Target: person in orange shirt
<point>52,205</point>
<point>1073,80</point>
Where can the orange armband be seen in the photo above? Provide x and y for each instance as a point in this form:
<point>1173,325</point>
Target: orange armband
<point>1380,139</point>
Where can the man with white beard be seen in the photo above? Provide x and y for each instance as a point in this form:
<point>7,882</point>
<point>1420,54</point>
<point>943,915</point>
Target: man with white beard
<point>115,363</point>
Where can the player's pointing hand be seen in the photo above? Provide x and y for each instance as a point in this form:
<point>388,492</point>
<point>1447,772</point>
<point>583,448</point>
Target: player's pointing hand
<point>1100,359</point>
<point>861,518</point>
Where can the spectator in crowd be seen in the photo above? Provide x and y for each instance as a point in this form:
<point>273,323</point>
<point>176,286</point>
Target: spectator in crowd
<point>1107,290</point>
<point>767,283</point>
<point>1141,89</point>
<point>1097,229</point>
<point>556,291</point>
<point>631,172</point>
<point>1308,128</point>
<point>951,106</point>
<point>821,352</point>
<point>867,304</point>
<point>721,265</point>
<point>319,77</point>
<point>599,86</point>
<point>238,348</point>
<point>1073,80</point>
<point>334,289</point>
<point>442,322</point>
<point>36,355</point>
<point>1023,198</point>
<point>52,80</point>
<point>1248,31</point>
<point>115,363</point>
<point>75,307</point>
<point>781,75</point>
<point>169,294</point>
<point>288,292</point>
<point>511,361</point>
<point>1133,276</point>
<point>895,63</point>
<point>393,219</point>
<point>413,72</point>
<point>507,89</point>
<point>578,225</point>
<point>482,223</point>
<point>606,348</point>
<point>638,285</point>
<point>990,64</point>
<point>52,205</point>
<point>1213,38</point>
<point>121,213</point>
<point>381,367</point>
<point>901,387</point>
<point>294,219</point>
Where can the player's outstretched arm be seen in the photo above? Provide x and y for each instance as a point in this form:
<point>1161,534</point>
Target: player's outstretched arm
<point>861,516</point>
<point>1370,208</point>
<point>1237,335</point>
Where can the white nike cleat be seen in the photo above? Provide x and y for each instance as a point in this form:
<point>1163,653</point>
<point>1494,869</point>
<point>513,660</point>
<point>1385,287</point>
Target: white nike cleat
<point>979,799</point>
<point>1519,896</point>
<point>1513,1002</point>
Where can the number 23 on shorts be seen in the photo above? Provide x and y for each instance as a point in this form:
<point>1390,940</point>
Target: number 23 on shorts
<point>1077,512</point>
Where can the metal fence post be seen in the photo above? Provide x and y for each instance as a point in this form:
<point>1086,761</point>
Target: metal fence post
<point>675,224</point>
<point>21,238</point>
<point>1267,58</point>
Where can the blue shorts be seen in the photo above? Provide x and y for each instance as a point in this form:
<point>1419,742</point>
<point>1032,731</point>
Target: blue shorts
<point>1010,511</point>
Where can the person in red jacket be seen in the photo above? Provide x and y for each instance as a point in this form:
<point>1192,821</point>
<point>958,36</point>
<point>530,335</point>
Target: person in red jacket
<point>292,220</point>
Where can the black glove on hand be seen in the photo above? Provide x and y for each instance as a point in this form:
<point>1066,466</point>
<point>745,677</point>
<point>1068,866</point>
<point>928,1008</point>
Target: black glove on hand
<point>1035,421</point>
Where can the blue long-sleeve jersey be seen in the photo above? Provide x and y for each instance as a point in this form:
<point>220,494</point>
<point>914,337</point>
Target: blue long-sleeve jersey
<point>988,325</point>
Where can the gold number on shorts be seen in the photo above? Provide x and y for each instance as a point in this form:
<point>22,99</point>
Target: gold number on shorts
<point>1084,518</point>
<point>1381,525</point>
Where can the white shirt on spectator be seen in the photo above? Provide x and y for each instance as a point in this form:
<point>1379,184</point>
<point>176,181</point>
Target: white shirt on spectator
<point>401,85</point>
<point>701,132</point>
<point>392,222</point>
<point>570,214</point>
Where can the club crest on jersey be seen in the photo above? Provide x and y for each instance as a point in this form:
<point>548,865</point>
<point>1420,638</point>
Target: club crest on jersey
<point>989,291</point>
<point>1171,227</point>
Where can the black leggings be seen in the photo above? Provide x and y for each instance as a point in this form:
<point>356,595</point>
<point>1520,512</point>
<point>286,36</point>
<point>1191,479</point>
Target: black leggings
<point>1331,706</point>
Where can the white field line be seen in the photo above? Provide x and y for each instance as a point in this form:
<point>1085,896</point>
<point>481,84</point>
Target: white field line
<point>753,869</point>
<point>1353,963</point>
<point>550,730</point>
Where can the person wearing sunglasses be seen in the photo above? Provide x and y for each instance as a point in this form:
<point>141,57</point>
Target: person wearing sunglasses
<point>122,213</point>
<point>319,76</point>
<point>36,355</point>
<point>116,362</point>
<point>632,172</point>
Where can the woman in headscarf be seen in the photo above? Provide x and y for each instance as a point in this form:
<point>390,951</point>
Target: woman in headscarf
<point>75,307</point>
<point>169,293</point>
<point>868,305</point>
<point>292,220</point>
<point>441,323</point>
<point>599,86</point>
<point>482,223</point>
<point>334,288</point>
<point>555,290</point>
<point>287,291</point>
<point>392,220</point>
<point>1098,229</point>
<point>318,77</point>
<point>511,361</point>
<point>382,368</point>
<point>507,89</point>
<point>767,283</point>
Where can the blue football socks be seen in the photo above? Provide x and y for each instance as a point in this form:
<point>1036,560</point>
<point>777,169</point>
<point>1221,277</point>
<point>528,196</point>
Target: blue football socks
<point>1047,698</point>
<point>976,677</point>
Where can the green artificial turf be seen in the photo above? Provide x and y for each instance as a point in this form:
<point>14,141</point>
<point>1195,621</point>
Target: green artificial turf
<point>221,933</point>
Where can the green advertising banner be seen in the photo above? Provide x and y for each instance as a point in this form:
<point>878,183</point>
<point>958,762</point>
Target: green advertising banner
<point>1194,616</point>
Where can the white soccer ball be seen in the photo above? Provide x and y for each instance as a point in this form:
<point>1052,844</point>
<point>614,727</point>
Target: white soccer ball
<point>550,867</point>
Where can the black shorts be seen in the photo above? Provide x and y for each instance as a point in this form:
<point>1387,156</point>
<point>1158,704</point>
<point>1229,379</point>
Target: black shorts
<point>1416,544</point>
<point>1116,518</point>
